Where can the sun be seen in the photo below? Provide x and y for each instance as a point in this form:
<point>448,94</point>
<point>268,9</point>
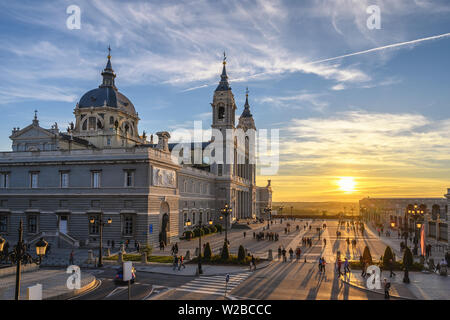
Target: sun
<point>347,184</point>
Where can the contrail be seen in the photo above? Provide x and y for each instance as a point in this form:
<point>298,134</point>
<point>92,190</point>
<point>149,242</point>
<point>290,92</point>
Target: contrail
<point>390,46</point>
<point>399,44</point>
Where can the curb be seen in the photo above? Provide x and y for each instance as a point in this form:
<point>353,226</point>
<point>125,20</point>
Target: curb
<point>373,291</point>
<point>76,292</point>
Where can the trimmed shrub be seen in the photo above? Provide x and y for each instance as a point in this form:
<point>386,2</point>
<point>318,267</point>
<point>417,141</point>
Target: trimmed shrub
<point>218,227</point>
<point>198,231</point>
<point>367,257</point>
<point>407,258</point>
<point>207,252</point>
<point>213,229</point>
<point>148,249</point>
<point>188,235</point>
<point>241,253</point>
<point>388,255</point>
<point>225,252</point>
<point>206,230</point>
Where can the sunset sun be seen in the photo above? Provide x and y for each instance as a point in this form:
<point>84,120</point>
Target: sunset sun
<point>347,184</point>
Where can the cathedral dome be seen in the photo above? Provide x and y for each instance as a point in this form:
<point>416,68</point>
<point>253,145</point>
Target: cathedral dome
<point>107,94</point>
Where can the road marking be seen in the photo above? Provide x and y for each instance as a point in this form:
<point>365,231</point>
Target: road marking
<point>214,284</point>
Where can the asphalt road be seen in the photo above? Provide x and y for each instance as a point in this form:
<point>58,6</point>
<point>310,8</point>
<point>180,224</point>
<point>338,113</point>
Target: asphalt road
<point>281,280</point>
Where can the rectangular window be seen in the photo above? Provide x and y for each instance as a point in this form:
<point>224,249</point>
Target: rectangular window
<point>34,179</point>
<point>96,179</point>
<point>128,226</point>
<point>193,218</point>
<point>92,122</point>
<point>32,223</point>
<point>3,223</point>
<point>129,178</point>
<point>94,227</point>
<point>64,179</point>
<point>4,180</point>
<point>219,169</point>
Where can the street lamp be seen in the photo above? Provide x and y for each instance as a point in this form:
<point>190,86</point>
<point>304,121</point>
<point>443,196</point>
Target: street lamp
<point>20,255</point>
<point>415,212</point>
<point>200,271</point>
<point>101,224</point>
<point>392,224</point>
<point>226,211</point>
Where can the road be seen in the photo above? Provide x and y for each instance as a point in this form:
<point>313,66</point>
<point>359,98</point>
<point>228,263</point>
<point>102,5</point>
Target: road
<point>280,280</point>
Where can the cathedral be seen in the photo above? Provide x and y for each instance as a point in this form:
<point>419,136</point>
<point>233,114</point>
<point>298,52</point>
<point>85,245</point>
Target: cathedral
<point>63,185</point>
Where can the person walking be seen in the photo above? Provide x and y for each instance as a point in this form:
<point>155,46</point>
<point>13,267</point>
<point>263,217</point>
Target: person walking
<point>387,286</point>
<point>181,263</point>
<point>283,252</point>
<point>391,268</point>
<point>253,263</point>
<point>71,258</point>
<point>291,254</point>
<point>323,264</point>
<point>320,264</point>
<point>113,244</point>
<point>279,253</point>
<point>175,262</point>
<point>346,267</point>
<point>245,234</point>
<point>138,246</point>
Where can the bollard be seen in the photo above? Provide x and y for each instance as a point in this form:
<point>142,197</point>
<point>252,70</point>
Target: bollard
<point>120,257</point>
<point>270,257</point>
<point>90,256</point>
<point>144,257</point>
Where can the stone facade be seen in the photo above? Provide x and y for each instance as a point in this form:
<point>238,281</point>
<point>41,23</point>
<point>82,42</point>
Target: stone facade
<point>435,218</point>
<point>102,168</point>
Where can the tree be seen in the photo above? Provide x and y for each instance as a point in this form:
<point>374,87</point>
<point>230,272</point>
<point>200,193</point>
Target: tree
<point>241,253</point>
<point>388,256</point>
<point>207,252</point>
<point>407,262</point>
<point>367,257</point>
<point>225,251</point>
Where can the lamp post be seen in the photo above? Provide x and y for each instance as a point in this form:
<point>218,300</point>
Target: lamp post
<point>226,211</point>
<point>101,223</point>
<point>20,255</point>
<point>200,271</point>
<point>416,212</point>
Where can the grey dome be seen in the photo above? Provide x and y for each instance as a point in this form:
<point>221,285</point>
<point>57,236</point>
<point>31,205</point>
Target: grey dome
<point>109,96</point>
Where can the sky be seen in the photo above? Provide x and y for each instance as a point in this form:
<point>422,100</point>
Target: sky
<point>380,117</point>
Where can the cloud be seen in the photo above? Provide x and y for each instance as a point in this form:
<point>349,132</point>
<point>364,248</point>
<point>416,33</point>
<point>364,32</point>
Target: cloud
<point>368,142</point>
<point>300,100</point>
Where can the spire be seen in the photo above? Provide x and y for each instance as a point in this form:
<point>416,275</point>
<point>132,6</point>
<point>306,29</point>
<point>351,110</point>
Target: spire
<point>246,113</point>
<point>35,120</point>
<point>108,73</point>
<point>223,84</point>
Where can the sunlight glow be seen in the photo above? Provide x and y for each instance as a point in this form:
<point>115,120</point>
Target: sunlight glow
<point>347,184</point>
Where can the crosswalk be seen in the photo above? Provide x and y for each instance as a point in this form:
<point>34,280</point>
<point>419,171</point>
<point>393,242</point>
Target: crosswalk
<point>214,284</point>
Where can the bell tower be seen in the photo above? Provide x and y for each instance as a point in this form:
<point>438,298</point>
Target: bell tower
<point>223,104</point>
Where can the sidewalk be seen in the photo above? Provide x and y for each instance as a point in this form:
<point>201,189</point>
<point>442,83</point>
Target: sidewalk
<point>53,284</point>
<point>422,286</point>
<point>191,269</point>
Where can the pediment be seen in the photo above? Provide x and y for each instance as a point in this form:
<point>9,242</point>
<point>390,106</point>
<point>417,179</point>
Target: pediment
<point>32,132</point>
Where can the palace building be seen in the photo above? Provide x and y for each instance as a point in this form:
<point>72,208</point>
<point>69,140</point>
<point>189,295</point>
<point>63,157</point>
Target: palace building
<point>102,168</point>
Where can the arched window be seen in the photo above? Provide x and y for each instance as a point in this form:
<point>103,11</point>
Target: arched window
<point>92,122</point>
<point>111,120</point>
<point>221,113</point>
<point>84,127</point>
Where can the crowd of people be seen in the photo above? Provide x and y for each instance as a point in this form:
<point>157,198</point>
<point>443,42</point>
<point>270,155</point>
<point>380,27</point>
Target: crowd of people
<point>271,236</point>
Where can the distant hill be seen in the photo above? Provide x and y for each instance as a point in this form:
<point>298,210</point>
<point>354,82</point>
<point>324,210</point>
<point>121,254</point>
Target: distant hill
<point>316,208</point>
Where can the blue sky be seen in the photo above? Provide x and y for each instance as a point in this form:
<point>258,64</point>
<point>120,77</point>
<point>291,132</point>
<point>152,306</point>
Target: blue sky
<point>381,117</point>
